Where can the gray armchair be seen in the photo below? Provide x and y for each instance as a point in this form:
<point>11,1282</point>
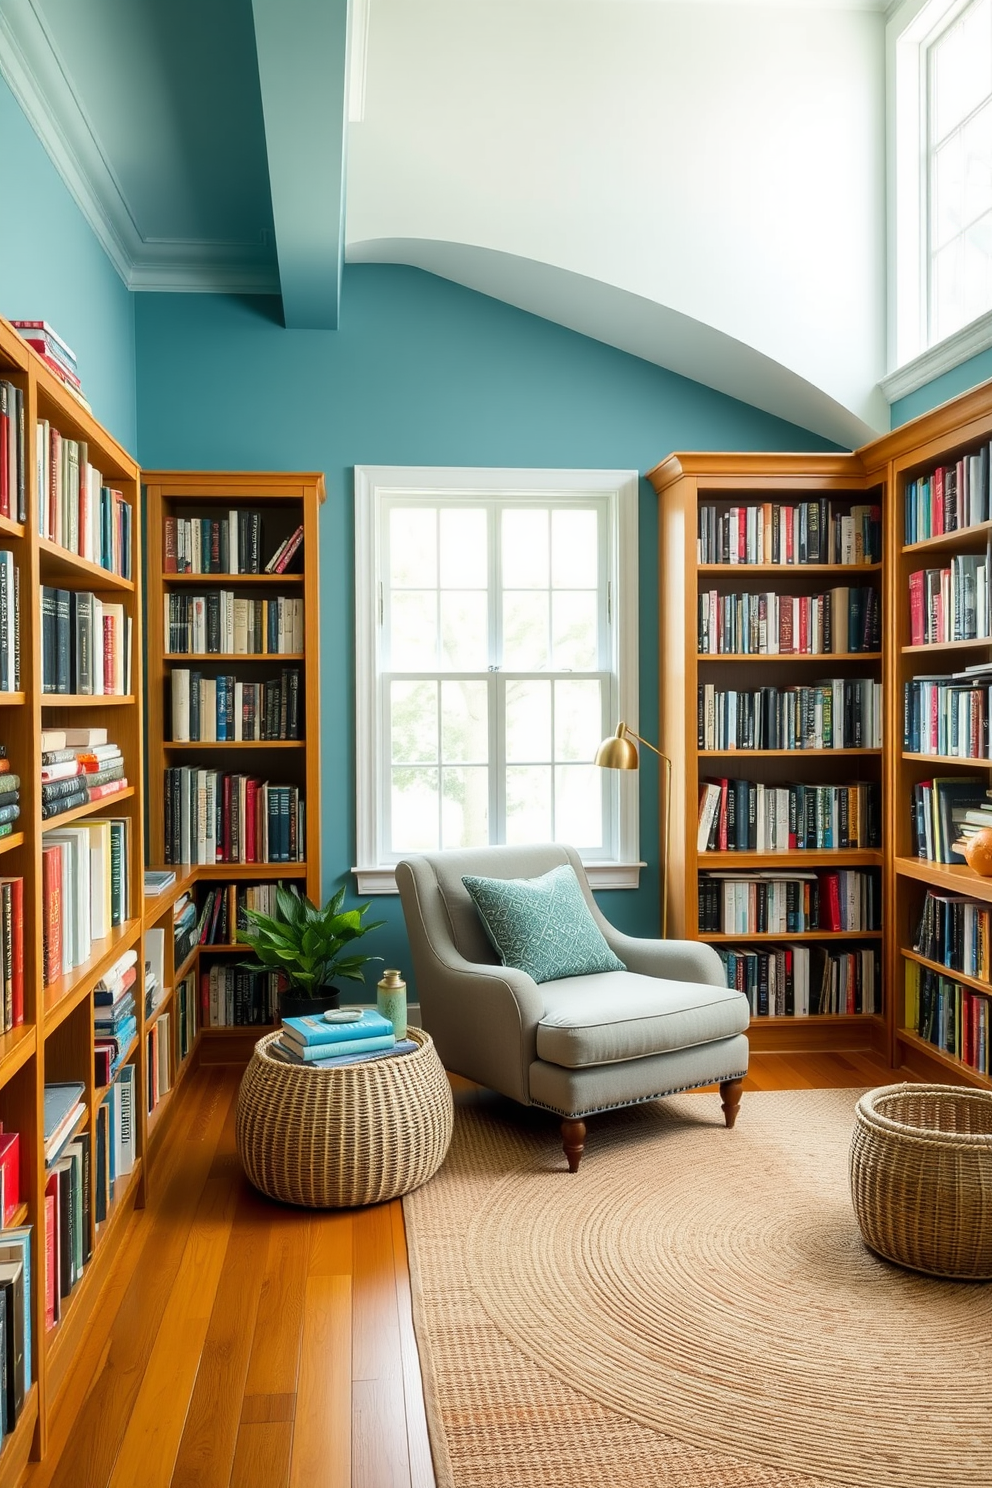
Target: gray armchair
<point>580,1044</point>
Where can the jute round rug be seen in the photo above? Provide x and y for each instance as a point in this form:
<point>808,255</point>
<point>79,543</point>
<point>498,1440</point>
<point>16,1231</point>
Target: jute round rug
<point>694,1309</point>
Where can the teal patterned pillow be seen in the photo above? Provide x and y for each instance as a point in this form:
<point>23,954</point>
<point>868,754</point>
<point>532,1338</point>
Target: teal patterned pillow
<point>542,925</point>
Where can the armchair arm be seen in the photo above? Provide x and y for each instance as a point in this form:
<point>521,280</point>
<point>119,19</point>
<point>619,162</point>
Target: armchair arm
<point>677,960</point>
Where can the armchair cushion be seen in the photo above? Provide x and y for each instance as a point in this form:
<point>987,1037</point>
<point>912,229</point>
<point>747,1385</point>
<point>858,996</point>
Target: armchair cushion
<point>542,926</point>
<point>619,1015</point>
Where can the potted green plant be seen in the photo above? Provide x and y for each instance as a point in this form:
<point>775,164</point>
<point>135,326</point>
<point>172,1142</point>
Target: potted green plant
<point>307,946</point>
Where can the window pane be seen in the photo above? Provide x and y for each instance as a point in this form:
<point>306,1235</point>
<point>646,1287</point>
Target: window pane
<point>528,721</point>
<point>579,805</point>
<point>573,622</point>
<point>413,722</point>
<point>412,547</point>
<point>962,178</point>
<point>464,549</point>
<point>528,803</point>
<point>574,549</point>
<point>961,68</point>
<point>413,630</point>
<point>525,548</point>
<point>464,722</point>
<point>465,807</point>
<point>578,720</point>
<point>525,632</point>
<point>962,279</point>
<point>414,810</point>
<point>464,630</point>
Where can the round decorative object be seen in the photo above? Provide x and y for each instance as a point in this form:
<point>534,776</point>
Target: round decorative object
<point>336,1138</point>
<point>978,853</point>
<point>921,1177</point>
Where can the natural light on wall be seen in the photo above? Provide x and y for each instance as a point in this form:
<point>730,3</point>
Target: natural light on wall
<point>940,80</point>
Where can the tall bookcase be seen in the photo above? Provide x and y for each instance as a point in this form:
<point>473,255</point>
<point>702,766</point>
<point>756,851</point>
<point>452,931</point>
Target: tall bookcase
<point>936,439</point>
<point>284,503</point>
<point>55,1041</point>
<point>686,483</point>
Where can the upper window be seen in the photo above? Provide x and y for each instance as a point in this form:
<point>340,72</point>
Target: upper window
<point>941,56</point>
<point>493,656</point>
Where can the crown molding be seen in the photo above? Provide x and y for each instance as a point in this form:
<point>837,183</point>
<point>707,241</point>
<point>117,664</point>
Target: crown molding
<point>32,68</point>
<point>936,360</point>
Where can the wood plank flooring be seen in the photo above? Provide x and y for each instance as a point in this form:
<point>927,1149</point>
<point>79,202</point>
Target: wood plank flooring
<point>240,1344</point>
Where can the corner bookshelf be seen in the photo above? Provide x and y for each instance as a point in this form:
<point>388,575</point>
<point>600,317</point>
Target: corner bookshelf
<point>55,1041</point>
<point>911,454</point>
<point>687,484</point>
<point>283,503</point>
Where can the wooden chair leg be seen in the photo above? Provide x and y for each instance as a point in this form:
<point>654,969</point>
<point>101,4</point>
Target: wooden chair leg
<point>730,1099</point>
<point>573,1140</point>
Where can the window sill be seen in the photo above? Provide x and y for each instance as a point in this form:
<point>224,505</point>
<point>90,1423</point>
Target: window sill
<point>936,360</point>
<point>600,876</point>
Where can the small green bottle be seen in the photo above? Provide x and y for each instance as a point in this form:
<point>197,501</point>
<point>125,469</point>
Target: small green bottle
<point>391,1001</point>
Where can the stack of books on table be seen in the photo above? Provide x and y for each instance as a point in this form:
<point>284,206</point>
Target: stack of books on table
<point>115,1019</point>
<point>322,1045</point>
<point>78,766</point>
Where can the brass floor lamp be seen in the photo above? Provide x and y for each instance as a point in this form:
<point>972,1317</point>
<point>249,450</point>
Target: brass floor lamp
<point>618,753</point>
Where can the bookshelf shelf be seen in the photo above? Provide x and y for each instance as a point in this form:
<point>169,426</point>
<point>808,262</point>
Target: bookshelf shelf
<point>784,570</point>
<point>236,656</point>
<point>255,870</point>
<point>779,753</point>
<point>99,1091</point>
<point>822,658</point>
<point>62,996</point>
<point>187,965</point>
<point>17,1046</point>
<point>961,1074</point>
<point>88,700</point>
<point>17,1446</point>
<point>938,646</point>
<point>946,878</point>
<point>235,744</point>
<point>7,844</point>
<point>74,572</point>
<point>162,1006</point>
<point>948,759</point>
<point>975,983</point>
<point>222,580</point>
<point>12,699</point>
<point>947,542</point>
<point>9,528</point>
<point>810,857</point>
<point>91,808</point>
<point>779,937</point>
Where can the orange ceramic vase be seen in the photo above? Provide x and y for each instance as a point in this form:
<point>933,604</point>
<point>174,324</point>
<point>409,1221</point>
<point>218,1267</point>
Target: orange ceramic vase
<point>978,853</point>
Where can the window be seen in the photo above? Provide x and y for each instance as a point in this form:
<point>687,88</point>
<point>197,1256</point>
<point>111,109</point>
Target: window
<point>941,63</point>
<point>497,645</point>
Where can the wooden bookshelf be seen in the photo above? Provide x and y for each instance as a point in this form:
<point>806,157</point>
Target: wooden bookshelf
<point>55,1042</point>
<point>938,438</point>
<point>684,483</point>
<point>285,502</point>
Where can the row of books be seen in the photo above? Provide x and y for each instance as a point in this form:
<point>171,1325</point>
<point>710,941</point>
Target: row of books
<point>115,1017</point>
<point>948,715</point>
<point>210,709</point>
<point>158,1067</point>
<point>954,931</point>
<point>950,1017</point>
<point>213,816</point>
<point>773,532</point>
<point>10,795</point>
<point>841,620</point>
<point>775,903</point>
<point>231,544</point>
<point>185,928</point>
<point>804,981</point>
<point>57,357</point>
<point>837,713</point>
<point>750,816</point>
<point>186,1003</point>
<point>13,453</point>
<point>86,644</point>
<point>84,870</point>
<point>948,498</point>
<point>952,603</point>
<point>80,773</point>
<point>11,952</point>
<point>76,509</point>
<point>233,996</point>
<point>16,1341</point>
<point>10,623</point>
<point>224,912</point>
<point>116,1138</point>
<point>321,1045</point>
<point>227,624</point>
<point>68,1219</point>
<point>945,812</point>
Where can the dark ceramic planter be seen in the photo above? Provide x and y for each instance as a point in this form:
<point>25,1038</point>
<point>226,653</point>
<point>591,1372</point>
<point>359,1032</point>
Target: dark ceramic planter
<point>293,1005</point>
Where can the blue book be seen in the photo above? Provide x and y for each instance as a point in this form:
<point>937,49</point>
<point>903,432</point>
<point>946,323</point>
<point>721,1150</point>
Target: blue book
<point>316,1030</point>
<point>59,1101</point>
<point>297,1054</point>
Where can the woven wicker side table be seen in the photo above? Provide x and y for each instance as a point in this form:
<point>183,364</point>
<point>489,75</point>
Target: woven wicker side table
<point>921,1177</point>
<point>335,1138</point>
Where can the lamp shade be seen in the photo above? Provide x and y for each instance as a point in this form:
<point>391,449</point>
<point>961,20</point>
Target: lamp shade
<point>618,752</point>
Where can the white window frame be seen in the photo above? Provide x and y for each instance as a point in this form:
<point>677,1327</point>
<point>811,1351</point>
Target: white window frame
<point>909,31</point>
<point>374,486</point>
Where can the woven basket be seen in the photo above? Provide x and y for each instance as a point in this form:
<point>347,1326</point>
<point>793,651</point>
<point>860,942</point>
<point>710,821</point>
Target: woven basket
<point>334,1138</point>
<point>921,1177</point>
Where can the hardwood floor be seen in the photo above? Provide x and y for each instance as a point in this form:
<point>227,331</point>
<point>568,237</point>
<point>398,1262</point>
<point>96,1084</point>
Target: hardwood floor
<point>241,1344</point>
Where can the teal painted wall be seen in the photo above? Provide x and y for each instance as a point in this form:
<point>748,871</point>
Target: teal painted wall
<point>968,375</point>
<point>421,372</point>
<point>53,268</point>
